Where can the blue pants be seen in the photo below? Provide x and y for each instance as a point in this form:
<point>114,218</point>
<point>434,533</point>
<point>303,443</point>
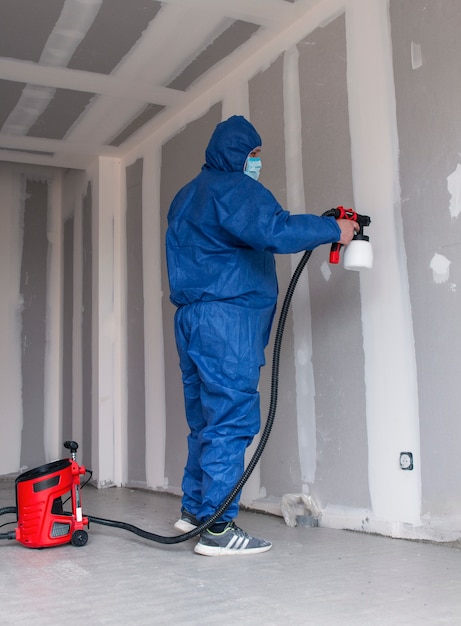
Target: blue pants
<point>221,350</point>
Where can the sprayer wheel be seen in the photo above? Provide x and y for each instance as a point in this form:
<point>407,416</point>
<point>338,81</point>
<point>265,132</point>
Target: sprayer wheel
<point>79,538</point>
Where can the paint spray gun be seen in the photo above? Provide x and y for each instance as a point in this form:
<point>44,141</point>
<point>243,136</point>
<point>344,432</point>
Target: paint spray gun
<point>359,253</point>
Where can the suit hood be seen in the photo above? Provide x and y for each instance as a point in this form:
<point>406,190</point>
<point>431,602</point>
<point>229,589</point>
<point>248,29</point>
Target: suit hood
<point>230,144</point>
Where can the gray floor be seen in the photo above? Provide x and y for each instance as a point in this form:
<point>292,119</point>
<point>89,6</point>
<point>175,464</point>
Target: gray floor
<point>311,576</point>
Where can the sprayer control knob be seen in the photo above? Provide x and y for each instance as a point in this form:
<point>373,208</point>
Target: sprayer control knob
<point>71,445</point>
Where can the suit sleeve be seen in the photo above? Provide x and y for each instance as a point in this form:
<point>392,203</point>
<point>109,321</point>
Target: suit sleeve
<point>252,215</point>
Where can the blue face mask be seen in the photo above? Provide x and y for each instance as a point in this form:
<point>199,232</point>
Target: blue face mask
<point>252,167</point>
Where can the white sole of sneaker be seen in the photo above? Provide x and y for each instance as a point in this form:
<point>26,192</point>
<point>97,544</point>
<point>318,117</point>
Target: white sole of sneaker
<point>215,551</point>
<point>184,526</point>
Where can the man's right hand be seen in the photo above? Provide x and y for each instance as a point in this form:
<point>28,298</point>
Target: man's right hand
<point>348,230</point>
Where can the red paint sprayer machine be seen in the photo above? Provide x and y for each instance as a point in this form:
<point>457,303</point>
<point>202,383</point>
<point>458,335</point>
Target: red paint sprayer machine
<point>48,500</point>
<point>42,520</point>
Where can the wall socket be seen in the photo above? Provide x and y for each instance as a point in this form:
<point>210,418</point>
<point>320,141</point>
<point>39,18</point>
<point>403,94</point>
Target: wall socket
<point>406,460</point>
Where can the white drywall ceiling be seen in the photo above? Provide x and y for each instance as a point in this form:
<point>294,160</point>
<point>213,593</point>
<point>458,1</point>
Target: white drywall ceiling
<point>80,78</point>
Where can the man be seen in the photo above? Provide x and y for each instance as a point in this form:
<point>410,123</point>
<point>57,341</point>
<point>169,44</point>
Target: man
<point>223,230</point>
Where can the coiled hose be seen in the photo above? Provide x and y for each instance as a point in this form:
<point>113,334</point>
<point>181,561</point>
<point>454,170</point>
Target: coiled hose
<point>262,442</point>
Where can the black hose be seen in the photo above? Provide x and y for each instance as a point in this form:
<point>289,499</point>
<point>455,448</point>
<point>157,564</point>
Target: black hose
<point>9,535</point>
<point>8,510</point>
<point>262,442</point>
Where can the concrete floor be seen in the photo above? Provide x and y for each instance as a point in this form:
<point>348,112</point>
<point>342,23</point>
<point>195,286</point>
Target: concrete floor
<point>312,576</point>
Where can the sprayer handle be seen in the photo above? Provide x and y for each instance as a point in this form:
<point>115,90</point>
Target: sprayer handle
<point>334,252</point>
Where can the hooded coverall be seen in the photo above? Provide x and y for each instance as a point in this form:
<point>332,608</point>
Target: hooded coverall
<point>223,230</point>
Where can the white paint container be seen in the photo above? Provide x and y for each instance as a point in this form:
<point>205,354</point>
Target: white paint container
<point>358,255</point>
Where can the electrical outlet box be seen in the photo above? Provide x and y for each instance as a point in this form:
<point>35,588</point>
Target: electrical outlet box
<point>406,460</point>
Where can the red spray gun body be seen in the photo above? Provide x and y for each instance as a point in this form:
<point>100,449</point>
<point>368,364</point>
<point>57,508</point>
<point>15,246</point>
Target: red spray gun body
<point>347,214</point>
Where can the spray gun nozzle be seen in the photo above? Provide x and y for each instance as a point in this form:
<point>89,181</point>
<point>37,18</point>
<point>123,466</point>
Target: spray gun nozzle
<point>362,221</point>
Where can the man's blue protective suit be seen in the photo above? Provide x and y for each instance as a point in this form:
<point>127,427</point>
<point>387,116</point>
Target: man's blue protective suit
<point>223,230</point>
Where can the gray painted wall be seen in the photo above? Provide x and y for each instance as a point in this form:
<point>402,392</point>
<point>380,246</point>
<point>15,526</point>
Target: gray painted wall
<point>136,405</point>
<point>426,51</point>
<point>67,330</point>
<point>342,463</point>
<point>87,330</point>
<point>33,337</point>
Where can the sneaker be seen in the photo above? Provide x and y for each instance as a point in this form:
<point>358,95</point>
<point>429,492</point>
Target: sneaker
<point>232,540</point>
<point>186,522</point>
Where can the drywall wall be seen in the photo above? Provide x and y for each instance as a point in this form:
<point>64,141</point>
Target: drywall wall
<point>67,329</point>
<point>280,466</point>
<point>31,317</point>
<point>426,49</point>
<point>33,334</point>
<point>136,405</point>
<point>392,417</point>
<point>87,336</point>
<point>11,236</point>
<point>334,294</point>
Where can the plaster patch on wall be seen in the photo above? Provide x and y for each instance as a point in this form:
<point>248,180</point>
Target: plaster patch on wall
<point>416,55</point>
<point>303,357</point>
<point>440,267</point>
<point>326,271</point>
<point>454,189</point>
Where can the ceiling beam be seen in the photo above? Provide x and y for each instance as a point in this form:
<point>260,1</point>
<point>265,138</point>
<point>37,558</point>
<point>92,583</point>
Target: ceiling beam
<point>38,144</point>
<point>89,82</point>
<point>263,12</point>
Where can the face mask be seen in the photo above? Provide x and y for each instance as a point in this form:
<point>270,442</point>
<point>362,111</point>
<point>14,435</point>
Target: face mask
<point>252,167</point>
